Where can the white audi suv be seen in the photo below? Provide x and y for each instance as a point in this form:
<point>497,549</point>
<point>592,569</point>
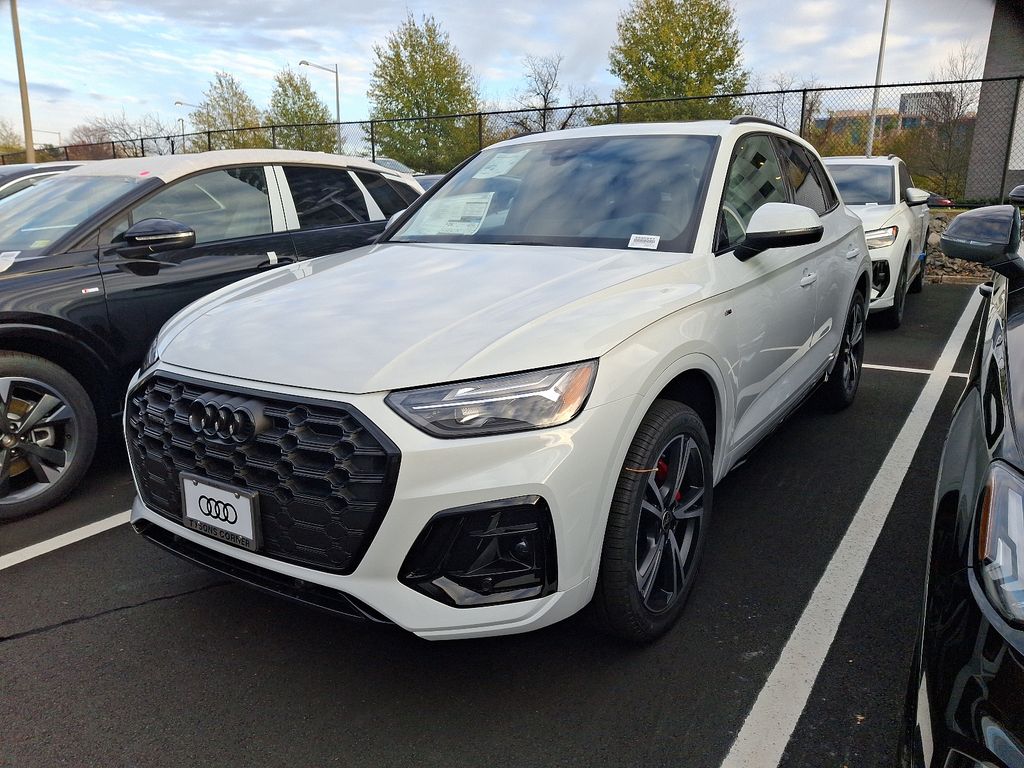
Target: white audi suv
<point>518,402</point>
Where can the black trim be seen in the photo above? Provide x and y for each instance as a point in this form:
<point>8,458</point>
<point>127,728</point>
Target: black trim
<point>744,119</point>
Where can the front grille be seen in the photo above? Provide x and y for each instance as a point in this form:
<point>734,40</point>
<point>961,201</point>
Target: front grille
<point>324,473</point>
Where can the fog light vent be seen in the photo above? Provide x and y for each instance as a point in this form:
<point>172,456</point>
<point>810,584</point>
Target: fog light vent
<point>497,552</point>
<point>880,276</point>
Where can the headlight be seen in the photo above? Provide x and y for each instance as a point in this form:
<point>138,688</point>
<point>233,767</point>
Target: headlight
<point>1001,541</point>
<point>880,238</point>
<point>152,356</point>
<point>531,400</point>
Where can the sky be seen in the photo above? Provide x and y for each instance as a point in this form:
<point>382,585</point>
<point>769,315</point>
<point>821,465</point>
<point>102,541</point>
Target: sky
<point>86,58</point>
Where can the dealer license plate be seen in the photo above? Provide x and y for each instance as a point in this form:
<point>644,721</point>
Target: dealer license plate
<point>220,510</point>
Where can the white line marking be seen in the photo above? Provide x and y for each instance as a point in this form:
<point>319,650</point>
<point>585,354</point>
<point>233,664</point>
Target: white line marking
<point>898,369</point>
<point>35,550</point>
<point>767,729</point>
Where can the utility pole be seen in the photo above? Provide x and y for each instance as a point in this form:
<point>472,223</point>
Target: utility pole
<point>26,116</point>
<point>878,81</point>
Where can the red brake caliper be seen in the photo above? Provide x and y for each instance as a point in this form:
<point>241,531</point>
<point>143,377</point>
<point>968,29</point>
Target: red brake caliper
<point>662,473</point>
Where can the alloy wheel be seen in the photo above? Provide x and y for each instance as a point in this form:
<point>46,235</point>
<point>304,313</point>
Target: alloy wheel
<point>852,351</point>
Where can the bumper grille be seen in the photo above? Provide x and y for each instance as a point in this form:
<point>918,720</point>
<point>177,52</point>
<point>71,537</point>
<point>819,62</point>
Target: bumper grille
<point>324,473</point>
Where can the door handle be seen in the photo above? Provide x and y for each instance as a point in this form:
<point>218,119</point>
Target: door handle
<point>852,252</point>
<point>808,279</point>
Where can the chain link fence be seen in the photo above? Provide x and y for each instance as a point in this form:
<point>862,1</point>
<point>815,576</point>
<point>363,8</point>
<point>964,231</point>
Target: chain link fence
<point>963,139</point>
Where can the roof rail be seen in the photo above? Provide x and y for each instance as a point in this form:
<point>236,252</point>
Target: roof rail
<point>740,119</point>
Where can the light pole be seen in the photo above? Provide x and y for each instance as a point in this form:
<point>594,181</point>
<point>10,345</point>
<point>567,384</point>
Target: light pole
<point>878,81</point>
<point>26,116</point>
<point>337,95</point>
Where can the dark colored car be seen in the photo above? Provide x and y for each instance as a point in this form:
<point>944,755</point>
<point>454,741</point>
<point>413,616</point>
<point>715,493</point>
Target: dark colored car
<point>935,200</point>
<point>427,180</point>
<point>965,701</point>
<point>93,263</point>
<point>19,176</point>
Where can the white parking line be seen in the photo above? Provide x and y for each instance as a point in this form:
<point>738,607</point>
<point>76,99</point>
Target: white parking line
<point>899,369</point>
<point>767,729</point>
<point>35,550</point>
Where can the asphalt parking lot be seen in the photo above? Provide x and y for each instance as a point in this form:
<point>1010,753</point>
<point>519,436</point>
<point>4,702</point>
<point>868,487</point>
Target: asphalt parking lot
<point>113,653</point>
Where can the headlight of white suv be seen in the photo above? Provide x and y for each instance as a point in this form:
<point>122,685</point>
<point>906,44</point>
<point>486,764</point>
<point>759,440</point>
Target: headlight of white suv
<point>1001,541</point>
<point>880,238</point>
<point>152,356</point>
<point>522,401</point>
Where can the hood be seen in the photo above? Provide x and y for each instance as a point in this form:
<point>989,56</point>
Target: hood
<point>401,315</point>
<point>874,216</point>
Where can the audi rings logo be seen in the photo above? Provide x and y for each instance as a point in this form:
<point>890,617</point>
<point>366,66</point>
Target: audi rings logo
<point>218,510</point>
<point>237,419</point>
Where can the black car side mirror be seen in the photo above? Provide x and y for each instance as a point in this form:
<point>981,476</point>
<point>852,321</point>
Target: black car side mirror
<point>1017,195</point>
<point>989,236</point>
<point>156,235</point>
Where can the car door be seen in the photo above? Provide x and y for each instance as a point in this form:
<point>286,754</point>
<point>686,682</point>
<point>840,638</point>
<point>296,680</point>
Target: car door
<point>326,210</point>
<point>772,306</point>
<point>238,233</point>
<point>836,256</point>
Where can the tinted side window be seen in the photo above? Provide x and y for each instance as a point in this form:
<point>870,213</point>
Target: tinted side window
<point>831,196</point>
<point>806,189</point>
<point>325,197</point>
<point>382,192</point>
<point>754,179</point>
<point>904,181</point>
<point>218,205</point>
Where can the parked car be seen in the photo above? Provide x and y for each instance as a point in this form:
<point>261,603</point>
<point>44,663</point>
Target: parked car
<point>881,191</point>
<point>519,401</point>
<point>935,200</point>
<point>965,701</point>
<point>19,176</point>
<point>92,264</point>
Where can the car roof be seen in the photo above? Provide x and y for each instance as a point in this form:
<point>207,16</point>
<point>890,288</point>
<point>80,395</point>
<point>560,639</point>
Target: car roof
<point>171,167</point>
<point>723,128</point>
<point>12,169</point>
<point>862,159</point>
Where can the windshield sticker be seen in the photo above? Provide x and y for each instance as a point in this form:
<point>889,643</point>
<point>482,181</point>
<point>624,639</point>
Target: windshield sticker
<point>500,164</point>
<point>7,258</point>
<point>650,242</point>
<point>455,215</point>
<point>38,244</point>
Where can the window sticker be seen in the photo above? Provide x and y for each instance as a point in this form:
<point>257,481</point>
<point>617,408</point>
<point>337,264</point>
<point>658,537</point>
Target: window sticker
<point>650,242</point>
<point>455,215</point>
<point>7,258</point>
<point>500,164</point>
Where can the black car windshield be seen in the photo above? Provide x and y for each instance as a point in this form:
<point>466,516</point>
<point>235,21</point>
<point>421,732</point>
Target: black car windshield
<point>860,184</point>
<point>34,218</point>
<point>598,192</point>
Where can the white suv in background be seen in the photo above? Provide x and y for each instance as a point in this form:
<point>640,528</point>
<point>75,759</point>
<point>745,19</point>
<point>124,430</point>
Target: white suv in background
<point>519,401</point>
<point>896,218</point>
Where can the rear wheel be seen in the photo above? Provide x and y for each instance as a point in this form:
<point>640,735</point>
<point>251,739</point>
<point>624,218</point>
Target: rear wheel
<point>841,387</point>
<point>657,525</point>
<point>47,434</point>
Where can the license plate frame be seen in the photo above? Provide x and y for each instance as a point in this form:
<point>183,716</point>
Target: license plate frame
<point>220,511</point>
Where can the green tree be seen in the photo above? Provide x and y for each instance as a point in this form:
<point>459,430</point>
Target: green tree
<point>673,48</point>
<point>294,102</point>
<point>226,107</point>
<point>419,73</point>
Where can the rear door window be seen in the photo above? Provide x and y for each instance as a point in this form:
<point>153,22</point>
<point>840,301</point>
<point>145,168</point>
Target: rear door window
<point>325,197</point>
<point>802,180</point>
<point>383,192</point>
<point>905,180</point>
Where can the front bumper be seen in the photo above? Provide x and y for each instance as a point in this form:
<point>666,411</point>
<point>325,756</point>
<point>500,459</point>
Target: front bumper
<point>572,468</point>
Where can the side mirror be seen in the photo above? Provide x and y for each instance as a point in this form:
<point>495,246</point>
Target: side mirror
<point>157,235</point>
<point>779,225</point>
<point>1017,195</point>
<point>916,196</point>
<point>989,236</point>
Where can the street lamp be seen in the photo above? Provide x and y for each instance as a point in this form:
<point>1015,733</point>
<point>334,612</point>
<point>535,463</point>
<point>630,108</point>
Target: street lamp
<point>205,109</point>
<point>878,81</point>
<point>337,94</point>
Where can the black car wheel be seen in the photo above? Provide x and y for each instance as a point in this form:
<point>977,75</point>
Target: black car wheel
<point>842,384</point>
<point>657,525</point>
<point>47,434</point>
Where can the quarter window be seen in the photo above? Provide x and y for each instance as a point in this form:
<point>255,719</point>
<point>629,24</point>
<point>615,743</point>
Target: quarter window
<point>383,193</point>
<point>325,197</point>
<point>905,180</point>
<point>219,205</point>
<point>755,178</point>
<point>802,179</point>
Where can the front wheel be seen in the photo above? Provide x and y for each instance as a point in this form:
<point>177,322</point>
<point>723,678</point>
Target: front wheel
<point>842,384</point>
<point>47,434</point>
<point>657,525</point>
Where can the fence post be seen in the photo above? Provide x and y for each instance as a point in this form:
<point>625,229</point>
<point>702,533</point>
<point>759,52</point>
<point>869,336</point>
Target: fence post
<point>480,130</point>
<point>142,147</point>
<point>66,153</point>
<point>1009,140</point>
<point>618,111</point>
<point>273,136</point>
<point>373,141</point>
<point>209,141</point>
<point>803,111</point>
<point>113,150</point>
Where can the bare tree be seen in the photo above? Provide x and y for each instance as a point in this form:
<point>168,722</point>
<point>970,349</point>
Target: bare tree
<point>119,136</point>
<point>542,98</point>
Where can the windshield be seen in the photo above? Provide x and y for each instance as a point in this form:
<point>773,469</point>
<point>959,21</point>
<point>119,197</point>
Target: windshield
<point>861,184</point>
<point>599,192</point>
<point>34,218</point>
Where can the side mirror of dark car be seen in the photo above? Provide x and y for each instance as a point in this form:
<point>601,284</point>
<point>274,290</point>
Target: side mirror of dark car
<point>779,225</point>
<point>989,236</point>
<point>156,235</point>
<point>1017,195</point>
<point>916,196</point>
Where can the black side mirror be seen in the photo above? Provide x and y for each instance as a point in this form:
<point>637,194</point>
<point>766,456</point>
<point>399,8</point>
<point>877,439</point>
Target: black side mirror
<point>989,236</point>
<point>156,235</point>
<point>1017,195</point>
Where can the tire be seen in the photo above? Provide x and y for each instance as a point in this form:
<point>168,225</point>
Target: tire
<point>892,318</point>
<point>639,594</point>
<point>42,406</point>
<point>841,386</point>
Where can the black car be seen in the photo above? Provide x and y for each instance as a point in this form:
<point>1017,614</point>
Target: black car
<point>94,262</point>
<point>19,176</point>
<point>965,701</point>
